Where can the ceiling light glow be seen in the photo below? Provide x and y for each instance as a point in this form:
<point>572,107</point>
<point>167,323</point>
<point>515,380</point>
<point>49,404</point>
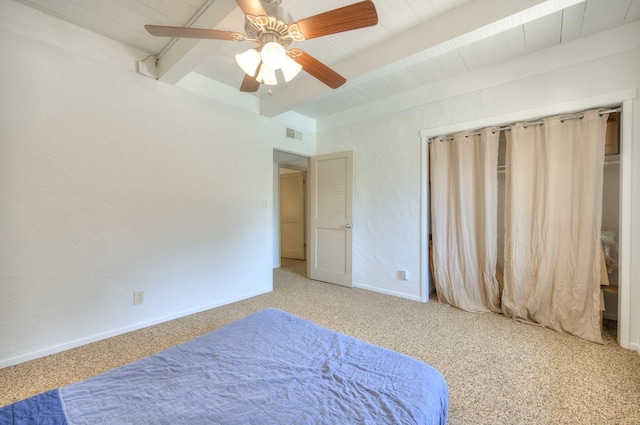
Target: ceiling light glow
<point>290,69</point>
<point>249,61</point>
<point>273,55</point>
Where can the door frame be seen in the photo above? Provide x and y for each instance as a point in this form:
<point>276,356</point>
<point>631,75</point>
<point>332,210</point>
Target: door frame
<point>274,210</point>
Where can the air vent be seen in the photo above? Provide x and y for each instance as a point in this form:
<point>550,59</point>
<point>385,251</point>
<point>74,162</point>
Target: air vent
<point>294,134</point>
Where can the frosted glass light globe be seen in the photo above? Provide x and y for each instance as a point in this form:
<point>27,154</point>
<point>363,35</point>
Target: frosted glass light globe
<point>249,61</point>
<point>290,69</point>
<point>273,55</point>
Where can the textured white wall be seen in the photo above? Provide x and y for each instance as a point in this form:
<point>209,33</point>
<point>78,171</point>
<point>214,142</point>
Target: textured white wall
<point>112,182</point>
<point>387,176</point>
<point>387,147</point>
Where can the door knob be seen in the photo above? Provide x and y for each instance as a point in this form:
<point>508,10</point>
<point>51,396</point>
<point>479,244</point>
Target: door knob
<point>348,226</point>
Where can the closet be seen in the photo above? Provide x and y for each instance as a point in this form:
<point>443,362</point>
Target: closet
<point>610,212</point>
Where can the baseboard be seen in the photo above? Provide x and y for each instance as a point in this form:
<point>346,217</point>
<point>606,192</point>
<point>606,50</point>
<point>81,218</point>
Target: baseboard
<point>635,347</point>
<point>387,292</point>
<point>115,332</point>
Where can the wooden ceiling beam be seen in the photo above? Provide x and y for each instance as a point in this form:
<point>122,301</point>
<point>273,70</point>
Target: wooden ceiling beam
<point>183,55</point>
<point>470,22</point>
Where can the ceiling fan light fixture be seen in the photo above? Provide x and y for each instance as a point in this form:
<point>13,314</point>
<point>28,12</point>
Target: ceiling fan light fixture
<point>272,29</point>
<point>273,55</point>
<point>249,61</point>
<point>290,69</point>
<point>268,75</point>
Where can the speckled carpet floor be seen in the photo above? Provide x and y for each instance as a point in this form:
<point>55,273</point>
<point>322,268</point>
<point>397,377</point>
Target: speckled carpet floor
<point>499,371</point>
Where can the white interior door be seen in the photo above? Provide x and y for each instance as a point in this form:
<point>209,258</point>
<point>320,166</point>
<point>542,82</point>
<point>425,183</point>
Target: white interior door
<point>292,215</point>
<point>330,218</point>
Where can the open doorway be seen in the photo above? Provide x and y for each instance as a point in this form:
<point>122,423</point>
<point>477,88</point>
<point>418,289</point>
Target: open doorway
<point>289,226</point>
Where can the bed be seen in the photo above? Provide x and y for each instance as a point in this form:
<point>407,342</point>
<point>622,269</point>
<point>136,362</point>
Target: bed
<point>270,367</point>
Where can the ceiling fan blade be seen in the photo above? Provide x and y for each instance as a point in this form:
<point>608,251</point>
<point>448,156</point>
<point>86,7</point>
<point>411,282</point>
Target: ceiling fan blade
<point>252,7</point>
<point>317,69</point>
<point>249,84</point>
<point>357,15</point>
<point>161,31</point>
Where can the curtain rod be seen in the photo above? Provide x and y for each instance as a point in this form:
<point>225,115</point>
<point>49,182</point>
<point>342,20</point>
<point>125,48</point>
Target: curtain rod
<point>529,124</point>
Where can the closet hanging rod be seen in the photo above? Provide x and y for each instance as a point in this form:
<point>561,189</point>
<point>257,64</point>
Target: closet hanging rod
<point>562,119</point>
<point>528,124</point>
<point>580,116</point>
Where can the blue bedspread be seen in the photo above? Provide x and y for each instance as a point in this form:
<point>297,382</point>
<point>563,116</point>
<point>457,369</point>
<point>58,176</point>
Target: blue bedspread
<point>268,368</point>
<point>45,409</point>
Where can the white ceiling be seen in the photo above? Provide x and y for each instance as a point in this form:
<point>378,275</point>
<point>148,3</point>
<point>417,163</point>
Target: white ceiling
<point>416,42</point>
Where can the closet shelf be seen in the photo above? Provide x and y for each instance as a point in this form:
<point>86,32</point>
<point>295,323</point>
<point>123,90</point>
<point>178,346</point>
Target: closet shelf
<point>608,160</point>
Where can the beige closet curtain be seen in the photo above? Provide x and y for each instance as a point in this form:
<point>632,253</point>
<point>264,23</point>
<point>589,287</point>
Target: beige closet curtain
<point>553,210</point>
<point>464,199</point>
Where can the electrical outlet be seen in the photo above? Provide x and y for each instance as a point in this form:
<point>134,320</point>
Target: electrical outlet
<point>402,275</point>
<point>138,297</point>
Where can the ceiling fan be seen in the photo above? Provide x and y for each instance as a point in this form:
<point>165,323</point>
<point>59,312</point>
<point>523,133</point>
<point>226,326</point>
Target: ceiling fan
<point>272,29</point>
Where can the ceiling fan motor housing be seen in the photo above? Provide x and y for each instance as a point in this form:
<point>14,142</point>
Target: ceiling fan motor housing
<point>274,27</point>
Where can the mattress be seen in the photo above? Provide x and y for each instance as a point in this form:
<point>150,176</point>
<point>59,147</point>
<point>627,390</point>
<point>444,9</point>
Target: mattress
<point>270,367</point>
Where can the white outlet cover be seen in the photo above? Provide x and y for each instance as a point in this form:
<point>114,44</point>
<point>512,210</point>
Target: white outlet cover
<point>138,297</point>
